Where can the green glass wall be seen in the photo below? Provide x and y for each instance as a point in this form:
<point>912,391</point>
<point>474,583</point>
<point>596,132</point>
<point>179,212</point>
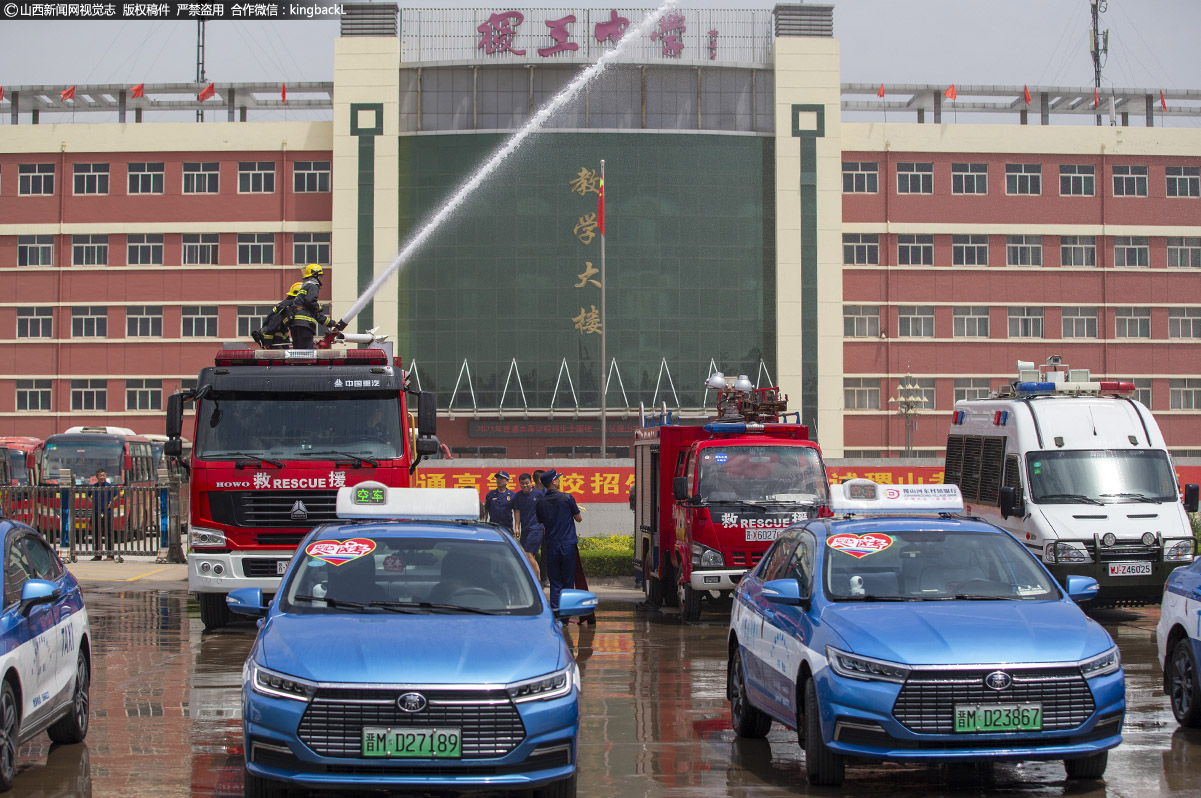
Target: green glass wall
<point>690,264</point>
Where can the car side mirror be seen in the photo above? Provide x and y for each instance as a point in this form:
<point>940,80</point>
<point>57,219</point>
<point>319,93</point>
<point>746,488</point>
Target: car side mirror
<point>246,601</point>
<point>173,448</point>
<point>175,415</point>
<point>1010,506</point>
<point>427,446</point>
<point>1082,588</point>
<point>576,603</point>
<point>1191,497</point>
<point>427,414</point>
<point>783,591</point>
<point>38,591</point>
<point>679,488</point>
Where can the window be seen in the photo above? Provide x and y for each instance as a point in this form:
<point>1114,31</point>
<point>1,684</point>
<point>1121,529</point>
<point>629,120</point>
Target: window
<point>91,178</point>
<point>89,322</point>
<point>1079,322</point>
<point>144,249</point>
<point>861,321</point>
<point>915,250</point>
<point>1023,178</point>
<point>1131,251</point>
<point>970,321</point>
<point>915,321</point>
<point>256,248</point>
<point>1078,251</point>
<point>1077,180</point>
<point>860,177</point>
<point>1184,323</point>
<point>1184,181</point>
<point>1142,392</point>
<point>143,394</point>
<point>863,393</point>
<point>1026,322</point>
<point>860,249</point>
<point>35,322</point>
<point>146,178</point>
<point>199,322</point>
<point>969,178</point>
<point>89,394</point>
<point>89,250</point>
<point>1131,322</point>
<point>201,177</point>
<point>200,249</point>
<point>915,178</point>
<point>971,388</point>
<point>35,179</point>
<point>250,317</point>
<point>310,177</point>
<point>1185,394</point>
<point>1024,250</point>
<point>969,250</point>
<point>35,250</point>
<point>256,177</point>
<point>919,390</point>
<point>310,248</point>
<point>144,321</point>
<point>33,395</point>
<point>1130,181</point>
<point>1184,253</point>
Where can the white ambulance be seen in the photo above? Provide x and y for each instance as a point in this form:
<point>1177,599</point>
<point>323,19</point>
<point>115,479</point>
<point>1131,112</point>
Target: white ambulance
<point>1078,470</point>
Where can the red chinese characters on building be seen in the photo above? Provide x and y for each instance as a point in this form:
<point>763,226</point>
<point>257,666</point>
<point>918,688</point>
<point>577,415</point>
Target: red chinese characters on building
<point>496,35</point>
<point>713,45</point>
<point>558,32</point>
<point>671,27</point>
<point>613,30</point>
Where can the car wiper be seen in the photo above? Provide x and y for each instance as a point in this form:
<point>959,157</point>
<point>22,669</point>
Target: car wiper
<point>875,598</point>
<point>1138,497</point>
<point>979,597</point>
<point>359,460</point>
<point>400,606</point>
<point>354,605</point>
<point>1080,497</point>
<point>249,456</point>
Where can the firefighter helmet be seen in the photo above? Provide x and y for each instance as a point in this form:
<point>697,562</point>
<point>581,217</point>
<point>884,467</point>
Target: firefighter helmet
<point>313,270</point>
<point>295,289</point>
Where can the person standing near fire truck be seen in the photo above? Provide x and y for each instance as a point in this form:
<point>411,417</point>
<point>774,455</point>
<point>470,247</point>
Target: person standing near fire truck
<point>307,312</point>
<point>559,514</point>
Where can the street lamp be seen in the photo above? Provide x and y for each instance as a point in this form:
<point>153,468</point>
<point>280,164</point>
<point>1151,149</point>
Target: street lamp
<point>910,399</point>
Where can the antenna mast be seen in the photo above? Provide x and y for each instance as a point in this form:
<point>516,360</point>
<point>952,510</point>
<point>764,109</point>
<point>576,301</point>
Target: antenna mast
<point>1098,45</point>
<point>200,61</point>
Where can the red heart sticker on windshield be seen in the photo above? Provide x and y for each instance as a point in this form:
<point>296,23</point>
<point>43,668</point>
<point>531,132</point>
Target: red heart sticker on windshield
<point>859,546</point>
<point>337,552</point>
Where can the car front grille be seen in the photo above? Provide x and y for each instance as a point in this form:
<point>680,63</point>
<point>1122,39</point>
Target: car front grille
<point>927,700</point>
<point>489,722</point>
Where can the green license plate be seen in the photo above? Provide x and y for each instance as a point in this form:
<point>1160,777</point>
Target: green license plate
<point>998,717</point>
<point>380,741</point>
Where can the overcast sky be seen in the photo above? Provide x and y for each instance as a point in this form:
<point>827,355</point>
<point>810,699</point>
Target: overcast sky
<point>1035,42</point>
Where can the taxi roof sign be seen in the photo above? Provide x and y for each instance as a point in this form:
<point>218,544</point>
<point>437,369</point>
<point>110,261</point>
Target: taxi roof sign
<point>864,497</point>
<point>377,500</point>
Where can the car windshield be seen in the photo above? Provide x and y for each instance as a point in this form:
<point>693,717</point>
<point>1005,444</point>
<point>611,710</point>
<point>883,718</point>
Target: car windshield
<point>412,575</point>
<point>762,473</point>
<point>20,473</point>
<point>1106,475</point>
<point>907,565</point>
<point>299,425</point>
<point>83,459</point>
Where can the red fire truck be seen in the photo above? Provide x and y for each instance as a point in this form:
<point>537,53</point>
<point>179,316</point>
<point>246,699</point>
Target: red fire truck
<point>709,499</point>
<point>21,454</point>
<point>277,433</point>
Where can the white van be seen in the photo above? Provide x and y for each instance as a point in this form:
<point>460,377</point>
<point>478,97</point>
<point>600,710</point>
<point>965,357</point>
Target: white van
<point>1078,471</point>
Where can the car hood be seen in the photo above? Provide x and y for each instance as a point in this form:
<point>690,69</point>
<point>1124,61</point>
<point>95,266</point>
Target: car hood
<point>412,649</point>
<point>968,632</point>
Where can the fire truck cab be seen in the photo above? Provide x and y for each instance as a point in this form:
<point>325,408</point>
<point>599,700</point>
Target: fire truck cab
<point>709,499</point>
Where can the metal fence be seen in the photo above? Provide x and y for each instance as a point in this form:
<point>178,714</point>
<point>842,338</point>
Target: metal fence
<point>101,520</point>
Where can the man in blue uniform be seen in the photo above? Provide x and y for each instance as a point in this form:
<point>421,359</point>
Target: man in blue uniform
<point>559,514</point>
<point>498,504</point>
<point>525,501</point>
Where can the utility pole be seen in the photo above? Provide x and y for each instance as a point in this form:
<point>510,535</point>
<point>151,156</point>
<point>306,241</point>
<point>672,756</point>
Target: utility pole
<point>200,64</point>
<point>1098,46</point>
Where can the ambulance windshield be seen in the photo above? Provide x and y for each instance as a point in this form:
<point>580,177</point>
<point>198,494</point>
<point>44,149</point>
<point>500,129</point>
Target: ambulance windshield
<point>1103,476</point>
<point>776,474</point>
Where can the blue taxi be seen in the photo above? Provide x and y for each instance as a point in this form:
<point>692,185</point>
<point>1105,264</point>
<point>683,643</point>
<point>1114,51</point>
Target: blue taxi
<point>417,653</point>
<point>916,635</point>
<point>1178,638</point>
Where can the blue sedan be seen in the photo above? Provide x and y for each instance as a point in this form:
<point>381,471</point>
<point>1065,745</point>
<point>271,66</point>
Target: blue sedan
<point>410,654</point>
<point>918,636</point>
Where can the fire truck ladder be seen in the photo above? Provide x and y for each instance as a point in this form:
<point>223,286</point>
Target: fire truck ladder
<point>454,394</point>
<point>558,380</point>
<point>621,383</point>
<point>513,371</point>
<point>663,369</point>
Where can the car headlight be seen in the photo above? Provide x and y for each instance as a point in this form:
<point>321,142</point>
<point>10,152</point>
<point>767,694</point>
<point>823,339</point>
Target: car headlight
<point>206,538</point>
<point>1101,664</point>
<point>278,685</point>
<point>1180,551</point>
<point>1059,551</point>
<point>705,557</point>
<point>544,688</point>
<point>854,666</point>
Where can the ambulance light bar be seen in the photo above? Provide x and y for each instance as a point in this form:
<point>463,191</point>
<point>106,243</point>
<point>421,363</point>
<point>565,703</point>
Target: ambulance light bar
<point>377,500</point>
<point>1074,388</point>
<point>301,357</point>
<point>864,497</point>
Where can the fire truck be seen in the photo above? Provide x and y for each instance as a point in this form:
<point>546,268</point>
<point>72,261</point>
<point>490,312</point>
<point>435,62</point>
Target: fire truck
<point>277,433</point>
<point>710,498</point>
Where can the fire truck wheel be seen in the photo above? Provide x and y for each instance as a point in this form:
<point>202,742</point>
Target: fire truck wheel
<point>690,603</point>
<point>652,588</point>
<point>671,598</point>
<point>213,611</point>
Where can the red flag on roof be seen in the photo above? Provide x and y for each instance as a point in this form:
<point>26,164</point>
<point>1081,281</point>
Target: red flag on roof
<point>67,94</point>
<point>600,207</point>
<point>1026,93</point>
<point>1162,102</point>
<point>138,90</point>
<point>880,93</point>
<point>207,91</point>
<point>950,93</point>
<point>1096,97</point>
<point>283,91</point>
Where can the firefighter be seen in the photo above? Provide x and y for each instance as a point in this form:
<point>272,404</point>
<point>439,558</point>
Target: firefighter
<point>307,312</point>
<point>274,332</point>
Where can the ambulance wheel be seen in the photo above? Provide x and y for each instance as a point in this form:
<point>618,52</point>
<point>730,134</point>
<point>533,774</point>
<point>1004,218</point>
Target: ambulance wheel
<point>746,719</point>
<point>822,766</point>
<point>213,611</point>
<point>1089,767</point>
<point>1183,689</point>
<point>690,603</point>
<point>652,588</point>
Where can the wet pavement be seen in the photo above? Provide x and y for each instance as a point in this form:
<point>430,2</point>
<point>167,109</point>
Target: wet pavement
<point>165,722</point>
